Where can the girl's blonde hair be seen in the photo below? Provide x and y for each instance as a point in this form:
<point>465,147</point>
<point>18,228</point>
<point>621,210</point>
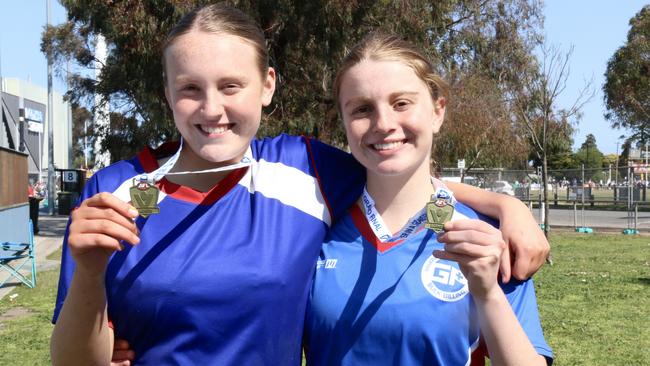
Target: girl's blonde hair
<point>225,19</point>
<point>379,46</point>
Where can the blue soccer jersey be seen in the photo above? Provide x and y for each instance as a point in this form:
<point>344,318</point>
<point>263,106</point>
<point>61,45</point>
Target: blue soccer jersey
<point>393,303</point>
<point>222,277</point>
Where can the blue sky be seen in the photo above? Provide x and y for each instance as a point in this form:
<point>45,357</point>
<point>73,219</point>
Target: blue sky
<point>594,28</point>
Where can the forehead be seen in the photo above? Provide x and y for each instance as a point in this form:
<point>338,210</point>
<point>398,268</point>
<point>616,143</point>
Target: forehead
<point>371,77</point>
<point>199,50</point>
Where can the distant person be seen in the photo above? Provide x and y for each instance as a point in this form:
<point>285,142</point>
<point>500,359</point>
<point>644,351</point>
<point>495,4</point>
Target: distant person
<point>34,201</point>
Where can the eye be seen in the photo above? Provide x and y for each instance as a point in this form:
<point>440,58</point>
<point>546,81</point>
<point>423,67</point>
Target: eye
<point>231,88</point>
<point>361,110</point>
<point>188,88</point>
<point>402,104</point>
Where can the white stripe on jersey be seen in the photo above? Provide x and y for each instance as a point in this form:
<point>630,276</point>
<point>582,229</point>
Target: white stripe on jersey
<point>471,350</point>
<point>288,185</point>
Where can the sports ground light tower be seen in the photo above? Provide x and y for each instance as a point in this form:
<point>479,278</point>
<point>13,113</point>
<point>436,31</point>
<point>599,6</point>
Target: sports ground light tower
<point>101,115</point>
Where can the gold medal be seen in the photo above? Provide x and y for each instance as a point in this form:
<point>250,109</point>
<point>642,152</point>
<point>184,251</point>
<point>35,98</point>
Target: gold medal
<point>439,211</point>
<point>144,197</point>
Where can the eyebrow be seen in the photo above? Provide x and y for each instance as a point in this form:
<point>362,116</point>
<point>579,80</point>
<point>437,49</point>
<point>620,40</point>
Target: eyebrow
<point>391,96</point>
<point>182,79</point>
<point>225,79</point>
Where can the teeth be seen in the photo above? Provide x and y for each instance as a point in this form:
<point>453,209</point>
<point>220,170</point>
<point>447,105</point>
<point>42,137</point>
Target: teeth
<point>387,146</point>
<point>215,130</point>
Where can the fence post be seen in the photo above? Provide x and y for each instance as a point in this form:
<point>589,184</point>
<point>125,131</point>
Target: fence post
<point>575,215</point>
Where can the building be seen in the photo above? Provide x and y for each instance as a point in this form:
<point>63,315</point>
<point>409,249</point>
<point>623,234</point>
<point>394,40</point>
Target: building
<point>33,98</point>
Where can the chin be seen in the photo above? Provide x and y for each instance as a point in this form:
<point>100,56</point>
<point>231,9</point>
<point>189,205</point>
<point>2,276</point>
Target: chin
<point>390,171</point>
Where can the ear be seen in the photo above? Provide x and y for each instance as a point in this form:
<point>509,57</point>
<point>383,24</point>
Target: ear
<point>439,109</point>
<point>268,87</point>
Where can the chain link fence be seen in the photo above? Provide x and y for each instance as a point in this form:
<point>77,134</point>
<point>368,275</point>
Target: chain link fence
<point>624,186</point>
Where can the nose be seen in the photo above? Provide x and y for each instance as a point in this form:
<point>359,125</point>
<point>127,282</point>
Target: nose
<point>213,105</point>
<point>384,121</point>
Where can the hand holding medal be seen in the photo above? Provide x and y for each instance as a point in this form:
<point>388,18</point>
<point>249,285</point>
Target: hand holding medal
<point>440,210</point>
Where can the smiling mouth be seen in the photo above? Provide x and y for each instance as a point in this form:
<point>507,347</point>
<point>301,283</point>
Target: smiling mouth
<point>388,145</point>
<point>214,130</point>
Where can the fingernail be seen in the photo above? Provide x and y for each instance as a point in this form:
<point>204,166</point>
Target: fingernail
<point>133,212</point>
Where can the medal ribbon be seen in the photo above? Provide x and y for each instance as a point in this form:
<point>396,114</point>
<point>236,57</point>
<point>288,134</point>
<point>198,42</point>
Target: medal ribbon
<point>414,223</point>
<point>162,171</point>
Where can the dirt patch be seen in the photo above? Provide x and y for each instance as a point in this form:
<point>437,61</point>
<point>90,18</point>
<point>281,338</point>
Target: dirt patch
<point>14,313</point>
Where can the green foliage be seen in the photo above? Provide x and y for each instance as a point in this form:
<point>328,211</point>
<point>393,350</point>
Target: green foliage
<point>559,145</point>
<point>306,40</point>
<point>627,86</point>
<point>588,154</point>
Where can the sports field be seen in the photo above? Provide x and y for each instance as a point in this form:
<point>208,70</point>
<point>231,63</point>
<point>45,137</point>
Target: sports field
<point>594,303</point>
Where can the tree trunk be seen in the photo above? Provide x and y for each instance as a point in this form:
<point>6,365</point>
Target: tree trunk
<point>545,190</point>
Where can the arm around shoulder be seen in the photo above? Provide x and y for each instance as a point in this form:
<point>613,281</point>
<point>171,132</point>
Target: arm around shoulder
<point>528,247</point>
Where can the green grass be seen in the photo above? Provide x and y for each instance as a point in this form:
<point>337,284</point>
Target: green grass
<point>594,303</point>
<point>25,339</point>
<point>595,300</point>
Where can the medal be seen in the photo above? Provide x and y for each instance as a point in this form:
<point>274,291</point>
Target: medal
<point>144,197</point>
<point>439,209</point>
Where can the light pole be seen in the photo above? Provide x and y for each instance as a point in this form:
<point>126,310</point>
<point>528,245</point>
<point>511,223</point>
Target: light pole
<point>616,172</point>
<point>50,130</point>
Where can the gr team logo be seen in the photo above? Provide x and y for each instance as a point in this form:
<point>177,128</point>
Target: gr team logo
<point>443,279</point>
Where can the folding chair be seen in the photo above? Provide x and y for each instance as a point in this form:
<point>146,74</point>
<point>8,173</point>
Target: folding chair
<point>15,256</point>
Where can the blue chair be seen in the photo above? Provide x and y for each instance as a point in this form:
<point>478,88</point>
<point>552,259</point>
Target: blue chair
<point>15,256</point>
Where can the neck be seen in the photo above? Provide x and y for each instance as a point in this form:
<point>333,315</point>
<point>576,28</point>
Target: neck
<point>189,161</point>
<point>398,198</point>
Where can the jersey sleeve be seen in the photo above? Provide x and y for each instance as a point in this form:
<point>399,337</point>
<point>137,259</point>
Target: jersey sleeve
<point>521,295</point>
<point>340,176</point>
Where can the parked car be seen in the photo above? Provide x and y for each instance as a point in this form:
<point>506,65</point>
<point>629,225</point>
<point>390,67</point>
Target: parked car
<point>537,186</point>
<point>467,180</point>
<point>501,186</point>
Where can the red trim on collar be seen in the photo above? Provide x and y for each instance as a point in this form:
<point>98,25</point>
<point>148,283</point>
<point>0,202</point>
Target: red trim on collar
<point>149,157</point>
<point>149,161</point>
<point>360,221</point>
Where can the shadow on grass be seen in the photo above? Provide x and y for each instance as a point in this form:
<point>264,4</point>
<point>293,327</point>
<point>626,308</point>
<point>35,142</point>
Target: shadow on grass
<point>643,281</point>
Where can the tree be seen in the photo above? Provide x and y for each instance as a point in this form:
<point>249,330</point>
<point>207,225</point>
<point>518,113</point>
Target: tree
<point>591,158</point>
<point>627,80</point>
<point>477,127</point>
<point>306,41</point>
<point>537,110</point>
<point>559,146</point>
<point>82,136</point>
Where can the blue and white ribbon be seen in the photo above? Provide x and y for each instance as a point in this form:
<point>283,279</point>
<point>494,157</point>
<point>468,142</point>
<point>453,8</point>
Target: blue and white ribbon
<point>414,223</point>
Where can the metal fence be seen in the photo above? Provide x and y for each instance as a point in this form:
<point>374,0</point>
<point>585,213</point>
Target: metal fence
<point>594,186</point>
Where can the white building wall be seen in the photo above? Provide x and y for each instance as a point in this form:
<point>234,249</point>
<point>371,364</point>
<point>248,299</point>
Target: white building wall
<point>62,128</point>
